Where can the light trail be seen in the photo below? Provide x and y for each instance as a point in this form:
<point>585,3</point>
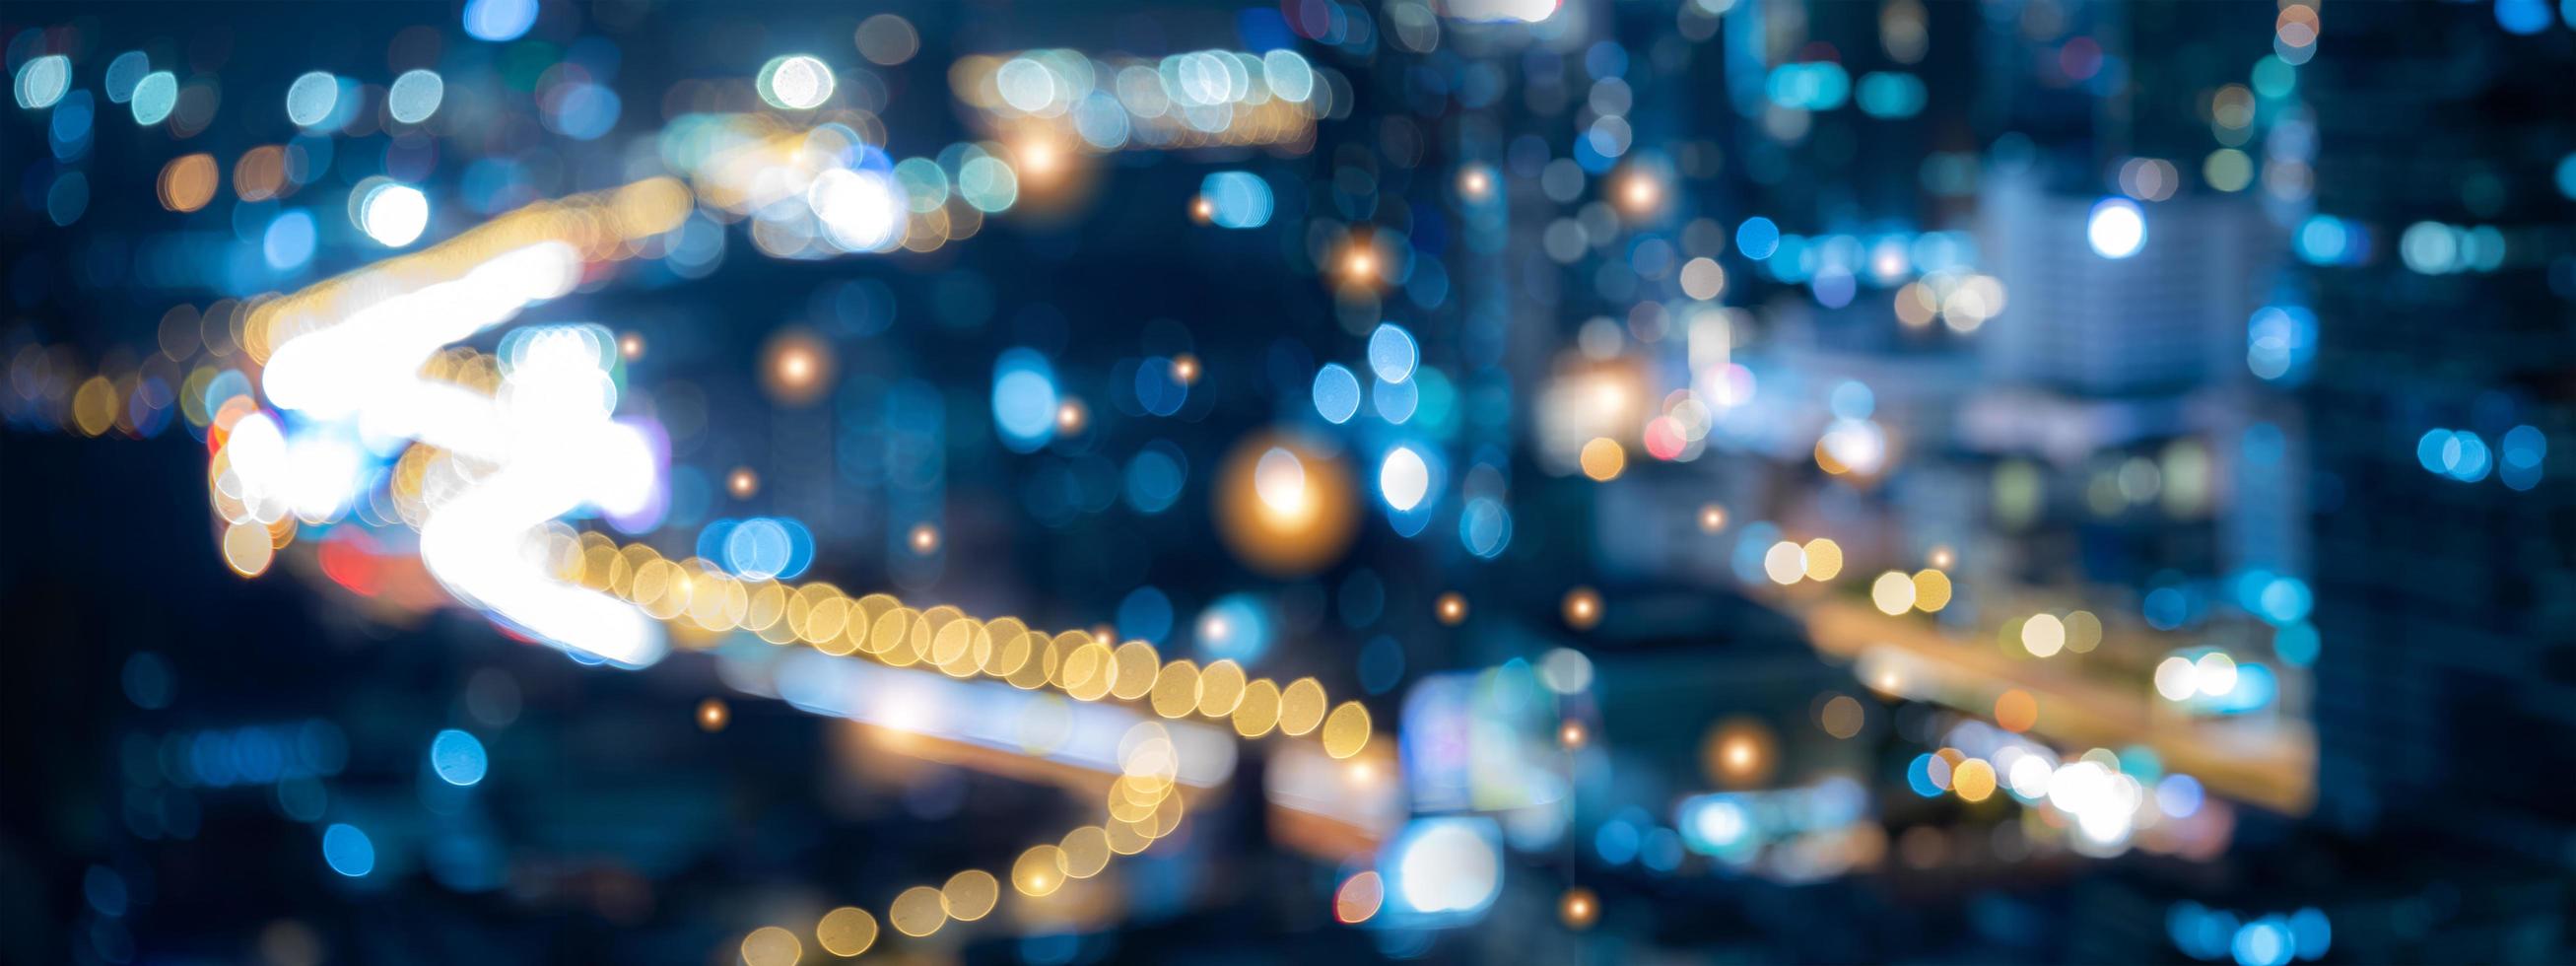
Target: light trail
<point>346,358</point>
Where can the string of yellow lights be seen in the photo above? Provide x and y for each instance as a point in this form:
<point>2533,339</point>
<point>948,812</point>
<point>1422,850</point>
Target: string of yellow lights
<point>703,602</point>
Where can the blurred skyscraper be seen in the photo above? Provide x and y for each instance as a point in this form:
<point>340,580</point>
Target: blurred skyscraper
<point>2446,532</point>
<point>2157,322</point>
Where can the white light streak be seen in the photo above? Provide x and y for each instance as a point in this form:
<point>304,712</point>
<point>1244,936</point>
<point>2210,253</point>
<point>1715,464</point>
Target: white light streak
<point>547,438</point>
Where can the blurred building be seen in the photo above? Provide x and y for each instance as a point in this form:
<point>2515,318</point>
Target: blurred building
<point>2446,531</point>
<point>2164,320</point>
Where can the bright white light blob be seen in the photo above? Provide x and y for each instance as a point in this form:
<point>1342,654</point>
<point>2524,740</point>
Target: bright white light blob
<point>1404,478</point>
<point>2177,678</point>
<point>1893,593</point>
<point>1447,865</point>
<point>1279,479</point>
<point>2215,673</point>
<point>2103,803</point>
<point>394,214</point>
<point>560,451</point>
<point>795,82</point>
<point>861,211</point>
<point>2074,787</point>
<point>2029,776</point>
<point>323,473</point>
<point>547,435</point>
<point>2043,635</point>
<point>1720,823</point>
<point>379,348</point>
<point>1784,563</point>
<point>256,468</point>
<point>2117,228</point>
<point>1858,444</point>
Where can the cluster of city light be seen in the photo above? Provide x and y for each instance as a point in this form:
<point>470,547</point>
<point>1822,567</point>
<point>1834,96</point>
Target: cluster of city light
<point>1783,828</point>
<point>1960,301</point>
<point>1882,259</point>
<point>318,103</point>
<point>52,385</point>
<point>2045,635</point>
<point>360,361</point>
<point>348,359</point>
<point>1409,473</point>
<point>2213,674</point>
<point>2295,31</point>
<point>827,190</point>
<point>262,482</point>
<point>44,82</point>
<point>713,599</point>
<point>622,223</point>
<point>2280,342</point>
<point>2106,798</point>
<point>1205,98</point>
<point>1587,411</point>
<point>2273,939</point>
<point>1143,802</point>
<point>1896,592</point>
<point>1819,560</point>
<point>2435,248</point>
<point>1480,744</point>
<point>1809,85</point>
<point>2236,111</point>
<point>1081,664</point>
<point>1680,432</point>
<point>1437,872</point>
<point>822,186</point>
<point>1852,445</point>
<point>1443,870</point>
<point>1607,135</point>
<point>259,754</point>
<point>2463,455</point>
<point>1393,360</point>
<point>808,191</point>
